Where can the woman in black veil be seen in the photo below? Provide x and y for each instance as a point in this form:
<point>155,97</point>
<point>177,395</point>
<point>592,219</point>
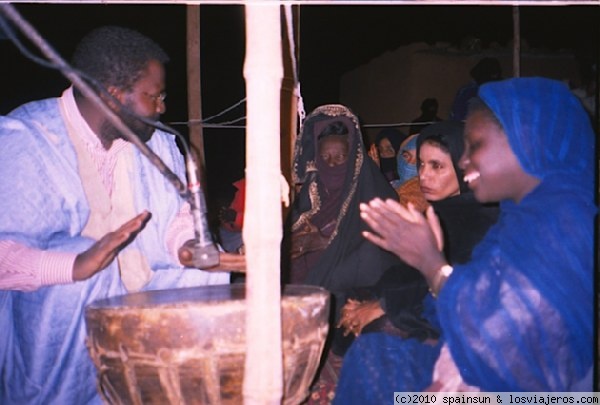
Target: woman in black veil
<point>327,248</point>
<point>324,227</point>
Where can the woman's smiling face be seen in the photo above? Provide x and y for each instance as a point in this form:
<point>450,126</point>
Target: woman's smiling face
<point>491,168</point>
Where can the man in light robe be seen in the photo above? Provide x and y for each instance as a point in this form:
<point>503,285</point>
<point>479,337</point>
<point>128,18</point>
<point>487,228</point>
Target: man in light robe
<point>85,216</point>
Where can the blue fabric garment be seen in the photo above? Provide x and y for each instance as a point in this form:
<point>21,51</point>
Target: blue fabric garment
<point>391,363</point>
<point>378,364</point>
<point>519,315</point>
<point>406,171</point>
<point>42,345</point>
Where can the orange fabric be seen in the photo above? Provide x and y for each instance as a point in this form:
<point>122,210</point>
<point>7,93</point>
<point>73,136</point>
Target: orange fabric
<point>410,191</point>
<point>237,204</point>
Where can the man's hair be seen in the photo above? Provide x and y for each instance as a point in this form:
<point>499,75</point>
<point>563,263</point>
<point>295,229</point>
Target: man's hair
<point>429,105</point>
<point>486,70</point>
<point>116,56</point>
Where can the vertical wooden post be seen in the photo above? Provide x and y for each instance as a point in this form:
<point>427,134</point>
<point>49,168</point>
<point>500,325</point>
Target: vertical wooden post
<point>516,41</point>
<point>263,376</point>
<point>194,93</point>
<point>289,100</point>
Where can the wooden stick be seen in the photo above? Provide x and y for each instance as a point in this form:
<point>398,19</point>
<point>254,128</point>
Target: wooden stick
<point>516,41</point>
<point>194,90</point>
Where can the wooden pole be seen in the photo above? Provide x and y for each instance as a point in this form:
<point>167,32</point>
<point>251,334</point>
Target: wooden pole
<point>194,94</point>
<point>516,41</point>
<point>289,100</point>
<point>263,376</point>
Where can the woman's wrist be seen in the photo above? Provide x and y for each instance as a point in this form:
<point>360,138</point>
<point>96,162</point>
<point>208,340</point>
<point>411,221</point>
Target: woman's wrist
<point>431,264</point>
<point>439,279</point>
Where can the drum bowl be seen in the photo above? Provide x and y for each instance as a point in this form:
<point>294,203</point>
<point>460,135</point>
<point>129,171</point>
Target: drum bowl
<point>187,346</point>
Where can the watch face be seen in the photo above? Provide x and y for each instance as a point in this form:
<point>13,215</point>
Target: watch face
<point>446,270</point>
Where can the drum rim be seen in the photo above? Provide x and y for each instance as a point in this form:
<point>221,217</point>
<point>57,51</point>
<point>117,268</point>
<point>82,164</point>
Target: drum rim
<point>200,294</point>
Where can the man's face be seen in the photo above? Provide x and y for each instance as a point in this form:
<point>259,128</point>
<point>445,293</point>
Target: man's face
<point>146,99</point>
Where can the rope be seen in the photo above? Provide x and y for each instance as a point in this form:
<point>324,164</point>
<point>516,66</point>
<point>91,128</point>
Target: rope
<point>292,48</point>
<point>398,124</point>
<point>223,112</point>
<point>223,125</point>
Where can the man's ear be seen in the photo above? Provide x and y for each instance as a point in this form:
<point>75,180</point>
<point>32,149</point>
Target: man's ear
<point>117,94</point>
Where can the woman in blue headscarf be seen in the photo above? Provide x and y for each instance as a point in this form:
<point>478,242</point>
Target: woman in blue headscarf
<point>519,315</point>
<point>406,161</point>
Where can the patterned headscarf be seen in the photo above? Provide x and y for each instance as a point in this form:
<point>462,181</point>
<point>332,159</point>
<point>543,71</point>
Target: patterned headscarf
<point>349,260</point>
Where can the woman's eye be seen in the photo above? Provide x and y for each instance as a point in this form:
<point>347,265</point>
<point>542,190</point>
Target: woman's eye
<point>474,146</point>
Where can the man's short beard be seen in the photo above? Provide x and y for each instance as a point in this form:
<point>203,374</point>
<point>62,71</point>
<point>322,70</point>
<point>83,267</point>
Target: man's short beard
<point>108,132</point>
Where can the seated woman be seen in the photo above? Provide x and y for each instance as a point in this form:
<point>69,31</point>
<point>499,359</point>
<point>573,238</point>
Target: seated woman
<point>395,303</point>
<point>407,186</point>
<point>326,244</point>
<point>385,150</point>
<point>327,248</point>
<point>519,315</point>
<point>406,161</point>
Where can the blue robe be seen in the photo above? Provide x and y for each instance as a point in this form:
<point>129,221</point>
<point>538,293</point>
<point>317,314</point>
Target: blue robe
<point>532,276</point>
<point>43,356</point>
<point>519,315</point>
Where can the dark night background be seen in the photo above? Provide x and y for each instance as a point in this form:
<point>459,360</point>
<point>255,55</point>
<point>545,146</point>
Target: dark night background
<point>333,40</point>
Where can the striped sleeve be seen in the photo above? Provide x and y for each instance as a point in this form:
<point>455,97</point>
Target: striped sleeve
<point>27,269</point>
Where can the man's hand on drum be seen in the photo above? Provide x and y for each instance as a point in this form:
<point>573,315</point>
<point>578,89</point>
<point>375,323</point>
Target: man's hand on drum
<point>227,261</point>
<point>415,238</point>
<point>103,252</point>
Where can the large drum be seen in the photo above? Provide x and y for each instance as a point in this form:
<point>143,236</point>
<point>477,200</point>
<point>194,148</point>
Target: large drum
<point>187,346</point>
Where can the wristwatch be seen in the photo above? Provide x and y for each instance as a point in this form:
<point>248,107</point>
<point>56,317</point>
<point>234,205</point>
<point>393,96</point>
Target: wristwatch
<point>446,270</point>
<point>443,273</point>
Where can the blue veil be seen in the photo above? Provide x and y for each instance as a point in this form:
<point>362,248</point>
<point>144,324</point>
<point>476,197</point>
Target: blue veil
<point>519,316</point>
